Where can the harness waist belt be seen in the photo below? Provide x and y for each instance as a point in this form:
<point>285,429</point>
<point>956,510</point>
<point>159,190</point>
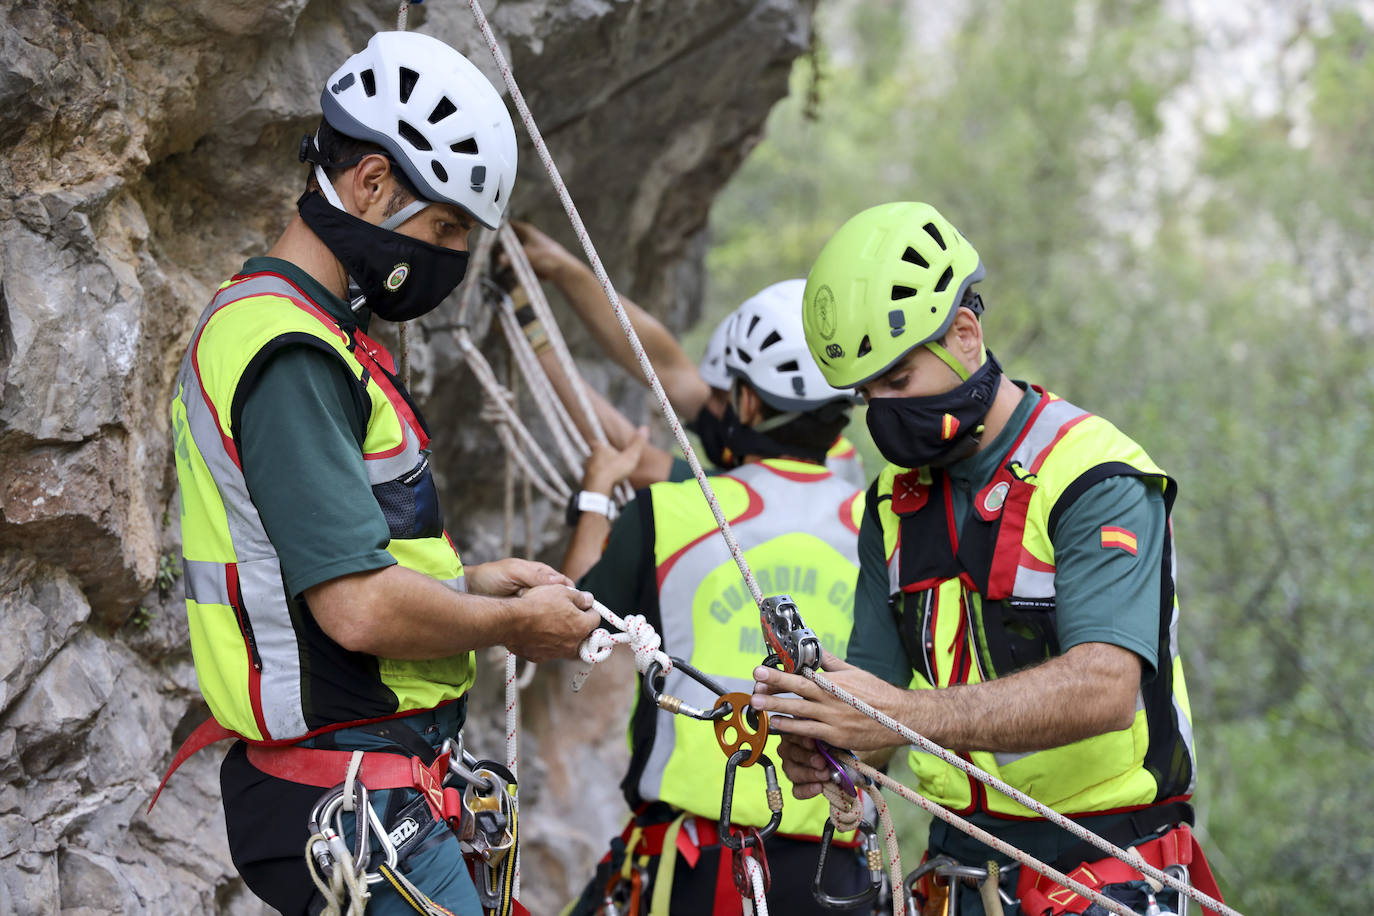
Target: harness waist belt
<point>311,766</point>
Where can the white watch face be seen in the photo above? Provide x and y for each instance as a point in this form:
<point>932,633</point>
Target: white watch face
<point>596,502</point>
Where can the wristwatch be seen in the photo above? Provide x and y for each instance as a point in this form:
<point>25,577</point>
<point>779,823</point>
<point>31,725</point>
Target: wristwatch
<point>588,501</point>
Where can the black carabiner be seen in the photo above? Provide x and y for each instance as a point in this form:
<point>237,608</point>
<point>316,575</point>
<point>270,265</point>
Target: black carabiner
<point>875,870</point>
<point>793,644</point>
<point>654,675</point>
<point>729,839</point>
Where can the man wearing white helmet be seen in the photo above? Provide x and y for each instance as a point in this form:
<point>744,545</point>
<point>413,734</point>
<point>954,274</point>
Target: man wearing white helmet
<point>698,392</point>
<point>797,523</point>
<point>331,619</point>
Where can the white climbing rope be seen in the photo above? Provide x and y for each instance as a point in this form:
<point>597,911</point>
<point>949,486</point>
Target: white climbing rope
<point>634,631</point>
<point>564,428</point>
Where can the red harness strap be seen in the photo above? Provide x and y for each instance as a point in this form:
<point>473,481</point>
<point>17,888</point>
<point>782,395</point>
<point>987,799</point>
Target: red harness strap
<point>311,766</point>
<point>1042,897</point>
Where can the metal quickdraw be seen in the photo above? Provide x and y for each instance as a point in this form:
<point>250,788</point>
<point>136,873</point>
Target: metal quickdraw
<point>872,856</point>
<point>794,646</point>
<point>742,734</point>
<point>655,677</point>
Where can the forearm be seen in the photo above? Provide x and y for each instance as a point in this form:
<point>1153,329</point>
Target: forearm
<point>618,428</point>
<point>677,373</point>
<point>586,544</point>
<point>1087,691</point>
<point>408,615</point>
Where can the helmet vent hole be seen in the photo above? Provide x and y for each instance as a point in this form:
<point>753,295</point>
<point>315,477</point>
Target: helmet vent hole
<point>413,136</point>
<point>442,110</point>
<point>439,171</point>
<point>935,234</point>
<point>497,198</point>
<point>744,357</point>
<point>902,292</point>
<point>408,80</point>
<point>468,146</point>
<point>912,256</point>
<point>865,347</point>
<point>753,323</point>
<point>369,82</point>
<point>945,277</point>
<point>771,339</point>
<point>789,366</point>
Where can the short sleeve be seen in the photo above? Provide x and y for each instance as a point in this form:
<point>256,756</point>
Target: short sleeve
<point>300,433</point>
<point>1108,549</point>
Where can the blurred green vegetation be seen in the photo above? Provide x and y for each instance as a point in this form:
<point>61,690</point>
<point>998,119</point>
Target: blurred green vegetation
<point>1210,295</point>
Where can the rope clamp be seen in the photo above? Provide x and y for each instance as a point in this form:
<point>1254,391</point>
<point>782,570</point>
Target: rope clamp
<point>956,877</point>
<point>752,847</point>
<point>793,644</point>
<point>751,836</point>
<point>872,855</point>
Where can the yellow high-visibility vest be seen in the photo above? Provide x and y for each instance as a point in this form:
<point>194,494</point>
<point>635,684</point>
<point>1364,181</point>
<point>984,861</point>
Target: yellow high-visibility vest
<point>267,671</point>
<point>983,606</point>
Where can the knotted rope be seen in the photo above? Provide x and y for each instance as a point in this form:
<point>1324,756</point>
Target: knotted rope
<point>634,631</point>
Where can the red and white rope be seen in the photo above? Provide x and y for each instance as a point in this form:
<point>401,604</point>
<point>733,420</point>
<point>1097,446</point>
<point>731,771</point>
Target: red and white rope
<point>580,229</point>
<point>755,872</point>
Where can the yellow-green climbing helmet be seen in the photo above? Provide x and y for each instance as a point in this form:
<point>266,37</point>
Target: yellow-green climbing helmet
<point>889,280</point>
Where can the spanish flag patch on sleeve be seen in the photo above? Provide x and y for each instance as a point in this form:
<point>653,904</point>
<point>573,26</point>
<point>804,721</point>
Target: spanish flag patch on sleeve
<point>1118,537</point>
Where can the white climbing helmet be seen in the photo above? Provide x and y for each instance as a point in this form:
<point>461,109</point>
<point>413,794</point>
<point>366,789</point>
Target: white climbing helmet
<point>441,120</point>
<point>765,345</point>
<point>712,365</point>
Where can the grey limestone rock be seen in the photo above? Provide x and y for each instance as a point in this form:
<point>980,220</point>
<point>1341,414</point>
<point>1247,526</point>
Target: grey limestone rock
<point>146,148</point>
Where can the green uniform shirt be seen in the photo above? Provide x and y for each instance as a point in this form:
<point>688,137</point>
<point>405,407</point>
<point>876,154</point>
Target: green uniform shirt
<point>300,440</point>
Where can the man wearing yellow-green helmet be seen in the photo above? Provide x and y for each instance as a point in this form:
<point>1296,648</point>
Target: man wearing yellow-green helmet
<point>1016,597</point>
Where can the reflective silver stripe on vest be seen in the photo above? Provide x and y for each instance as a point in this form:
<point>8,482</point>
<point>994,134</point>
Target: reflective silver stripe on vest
<point>1039,583</point>
<point>259,573</point>
<point>384,470</point>
<point>785,511</point>
<point>205,581</point>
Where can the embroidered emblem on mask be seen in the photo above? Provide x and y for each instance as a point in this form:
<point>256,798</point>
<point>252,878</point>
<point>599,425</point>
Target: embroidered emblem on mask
<point>397,276</point>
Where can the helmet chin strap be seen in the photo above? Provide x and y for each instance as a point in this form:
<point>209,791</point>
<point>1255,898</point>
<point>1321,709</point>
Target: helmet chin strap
<point>948,359</point>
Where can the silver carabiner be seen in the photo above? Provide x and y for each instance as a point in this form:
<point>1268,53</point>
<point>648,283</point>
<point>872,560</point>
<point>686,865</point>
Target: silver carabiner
<point>326,819</point>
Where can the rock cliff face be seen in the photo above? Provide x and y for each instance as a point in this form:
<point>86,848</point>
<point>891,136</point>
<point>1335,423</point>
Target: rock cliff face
<point>148,148</point>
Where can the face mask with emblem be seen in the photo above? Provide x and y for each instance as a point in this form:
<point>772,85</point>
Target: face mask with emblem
<point>939,429</point>
<point>399,277</point>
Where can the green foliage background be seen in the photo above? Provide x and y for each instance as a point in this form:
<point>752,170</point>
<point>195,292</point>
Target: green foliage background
<point>1216,306</point>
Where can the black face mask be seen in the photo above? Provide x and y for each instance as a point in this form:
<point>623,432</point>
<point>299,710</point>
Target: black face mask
<point>401,277</point>
<point>937,430</point>
<point>714,433</point>
<point>727,441</point>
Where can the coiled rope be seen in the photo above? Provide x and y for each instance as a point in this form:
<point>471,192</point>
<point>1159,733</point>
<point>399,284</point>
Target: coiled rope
<point>598,268</point>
